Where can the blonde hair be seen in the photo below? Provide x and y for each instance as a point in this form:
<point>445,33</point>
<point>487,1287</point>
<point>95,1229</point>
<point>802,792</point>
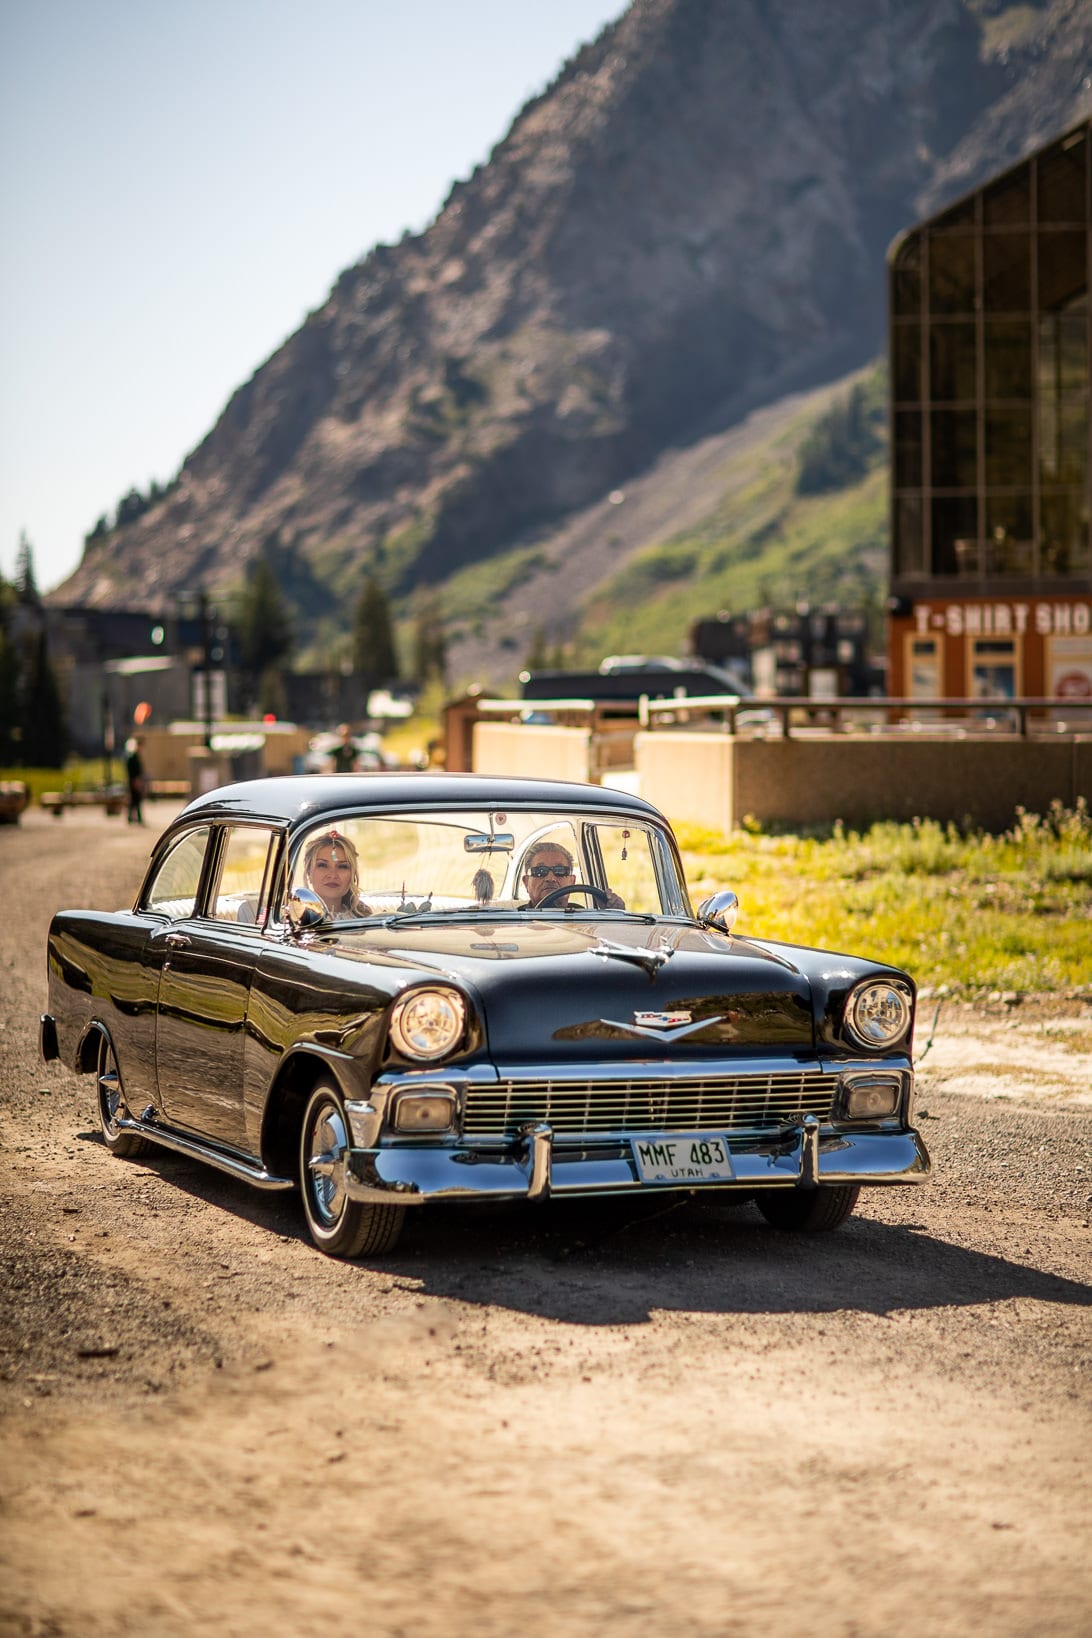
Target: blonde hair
<point>334,838</point>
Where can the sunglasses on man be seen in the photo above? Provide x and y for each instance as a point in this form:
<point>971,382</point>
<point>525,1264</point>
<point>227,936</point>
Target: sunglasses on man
<point>550,870</point>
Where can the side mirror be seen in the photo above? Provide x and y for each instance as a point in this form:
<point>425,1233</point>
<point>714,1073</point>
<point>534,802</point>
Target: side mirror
<point>304,910</point>
<point>719,910</point>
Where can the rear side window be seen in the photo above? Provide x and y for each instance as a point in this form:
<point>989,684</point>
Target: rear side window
<point>242,871</point>
<point>172,891</point>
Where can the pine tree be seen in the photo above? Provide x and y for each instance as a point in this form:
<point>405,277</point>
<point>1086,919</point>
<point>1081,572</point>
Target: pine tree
<point>25,584</point>
<point>374,653</point>
<point>429,642</point>
<point>10,696</point>
<point>263,626</point>
<point>44,728</point>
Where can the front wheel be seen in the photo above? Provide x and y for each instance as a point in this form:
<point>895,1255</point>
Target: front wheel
<point>808,1211</point>
<point>339,1226</point>
<point>112,1106</point>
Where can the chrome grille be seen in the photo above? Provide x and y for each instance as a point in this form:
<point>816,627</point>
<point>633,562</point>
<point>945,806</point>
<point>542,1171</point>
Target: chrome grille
<point>691,1103</point>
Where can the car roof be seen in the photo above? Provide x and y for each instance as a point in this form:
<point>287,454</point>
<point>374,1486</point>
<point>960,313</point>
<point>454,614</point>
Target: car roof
<point>296,798</point>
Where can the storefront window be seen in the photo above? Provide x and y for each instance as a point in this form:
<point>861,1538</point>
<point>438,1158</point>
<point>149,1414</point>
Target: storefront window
<point>993,669</point>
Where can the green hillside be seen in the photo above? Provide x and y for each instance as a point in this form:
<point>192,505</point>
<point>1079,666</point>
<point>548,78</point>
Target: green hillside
<point>777,540</point>
<point>801,515</point>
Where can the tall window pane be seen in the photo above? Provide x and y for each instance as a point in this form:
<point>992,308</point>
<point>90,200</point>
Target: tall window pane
<point>1063,532</point>
<point>1062,182</point>
<point>955,448</point>
<point>1063,439</point>
<point>1010,549</point>
<point>952,273</point>
<point>1063,267</point>
<point>1008,446</point>
<point>952,353</point>
<point>909,541</point>
<point>1006,358</point>
<point>1006,272</point>
<point>908,450</point>
<point>955,535</point>
<point>906,364</point>
<point>1008,202</point>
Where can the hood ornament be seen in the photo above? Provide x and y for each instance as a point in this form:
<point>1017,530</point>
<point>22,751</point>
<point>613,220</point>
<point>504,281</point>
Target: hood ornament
<point>650,961</point>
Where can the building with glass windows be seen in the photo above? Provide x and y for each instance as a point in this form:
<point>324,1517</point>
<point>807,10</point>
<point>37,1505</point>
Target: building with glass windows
<point>989,346</point>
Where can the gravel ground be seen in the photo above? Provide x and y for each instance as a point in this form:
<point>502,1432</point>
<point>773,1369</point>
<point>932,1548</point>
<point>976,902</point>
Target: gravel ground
<point>613,1420</point>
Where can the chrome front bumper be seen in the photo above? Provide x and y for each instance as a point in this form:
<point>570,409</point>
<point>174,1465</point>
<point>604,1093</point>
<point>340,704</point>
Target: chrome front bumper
<point>540,1165</point>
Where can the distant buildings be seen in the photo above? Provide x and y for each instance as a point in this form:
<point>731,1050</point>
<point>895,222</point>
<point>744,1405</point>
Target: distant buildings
<point>991,575</point>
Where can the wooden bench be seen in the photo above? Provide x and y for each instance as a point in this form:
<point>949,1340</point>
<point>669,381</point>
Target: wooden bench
<point>55,802</point>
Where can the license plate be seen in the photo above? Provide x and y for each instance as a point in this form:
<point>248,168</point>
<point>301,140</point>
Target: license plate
<point>690,1158</point>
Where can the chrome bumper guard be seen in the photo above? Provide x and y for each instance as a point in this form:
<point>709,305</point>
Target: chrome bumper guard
<point>538,1165</point>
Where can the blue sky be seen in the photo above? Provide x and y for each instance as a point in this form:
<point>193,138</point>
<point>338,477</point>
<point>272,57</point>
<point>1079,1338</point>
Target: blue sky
<point>181,182</point>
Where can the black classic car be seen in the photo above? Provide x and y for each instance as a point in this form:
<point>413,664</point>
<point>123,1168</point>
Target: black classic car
<point>391,990</point>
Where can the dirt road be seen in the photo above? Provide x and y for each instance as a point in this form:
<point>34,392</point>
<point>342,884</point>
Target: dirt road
<point>559,1421</point>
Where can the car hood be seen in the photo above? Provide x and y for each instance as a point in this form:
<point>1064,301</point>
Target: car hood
<point>628,988</point>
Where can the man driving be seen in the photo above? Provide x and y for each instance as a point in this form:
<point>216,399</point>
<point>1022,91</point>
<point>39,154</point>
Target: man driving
<point>548,868</point>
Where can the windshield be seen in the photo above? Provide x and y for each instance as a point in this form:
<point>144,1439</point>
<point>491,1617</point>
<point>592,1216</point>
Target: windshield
<point>433,862</point>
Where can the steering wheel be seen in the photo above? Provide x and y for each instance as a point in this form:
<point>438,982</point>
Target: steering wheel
<point>596,894</point>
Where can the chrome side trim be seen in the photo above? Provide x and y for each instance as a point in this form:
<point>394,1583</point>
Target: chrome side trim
<point>193,1149</point>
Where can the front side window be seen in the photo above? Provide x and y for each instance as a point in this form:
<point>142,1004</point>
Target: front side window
<point>172,890</point>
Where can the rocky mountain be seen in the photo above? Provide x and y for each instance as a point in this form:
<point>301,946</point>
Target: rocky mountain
<point>689,224</point>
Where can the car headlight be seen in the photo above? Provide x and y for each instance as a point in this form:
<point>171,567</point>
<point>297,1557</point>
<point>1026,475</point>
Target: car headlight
<point>879,1012</point>
<point>428,1023</point>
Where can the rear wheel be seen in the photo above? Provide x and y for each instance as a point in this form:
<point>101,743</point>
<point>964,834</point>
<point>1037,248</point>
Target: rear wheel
<point>112,1106</point>
<point>808,1211</point>
<point>339,1226</point>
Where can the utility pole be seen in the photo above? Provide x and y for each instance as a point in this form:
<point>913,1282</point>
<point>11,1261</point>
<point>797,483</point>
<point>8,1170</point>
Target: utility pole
<point>206,645</point>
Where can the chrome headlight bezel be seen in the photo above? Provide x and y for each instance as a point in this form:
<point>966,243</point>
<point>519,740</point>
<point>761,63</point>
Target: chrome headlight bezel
<point>428,1023</point>
<point>880,1013</point>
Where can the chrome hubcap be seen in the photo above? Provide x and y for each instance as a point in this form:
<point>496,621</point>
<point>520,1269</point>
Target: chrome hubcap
<point>109,1090</point>
<point>326,1163</point>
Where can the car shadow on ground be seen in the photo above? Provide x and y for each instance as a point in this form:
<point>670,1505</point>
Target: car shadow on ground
<point>614,1262</point>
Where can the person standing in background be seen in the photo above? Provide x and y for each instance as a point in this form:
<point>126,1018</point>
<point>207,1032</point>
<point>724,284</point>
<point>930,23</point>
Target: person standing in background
<point>344,754</point>
<point>134,773</point>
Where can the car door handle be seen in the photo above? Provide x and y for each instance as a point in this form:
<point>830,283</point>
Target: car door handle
<point>177,941</point>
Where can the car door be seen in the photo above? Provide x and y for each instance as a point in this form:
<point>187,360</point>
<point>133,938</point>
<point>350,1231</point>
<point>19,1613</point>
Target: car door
<point>204,988</point>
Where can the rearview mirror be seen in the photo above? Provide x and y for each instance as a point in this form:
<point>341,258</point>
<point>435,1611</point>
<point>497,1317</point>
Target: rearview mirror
<point>498,841</point>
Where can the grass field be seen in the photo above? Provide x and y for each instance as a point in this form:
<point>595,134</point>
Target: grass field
<point>974,913</point>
